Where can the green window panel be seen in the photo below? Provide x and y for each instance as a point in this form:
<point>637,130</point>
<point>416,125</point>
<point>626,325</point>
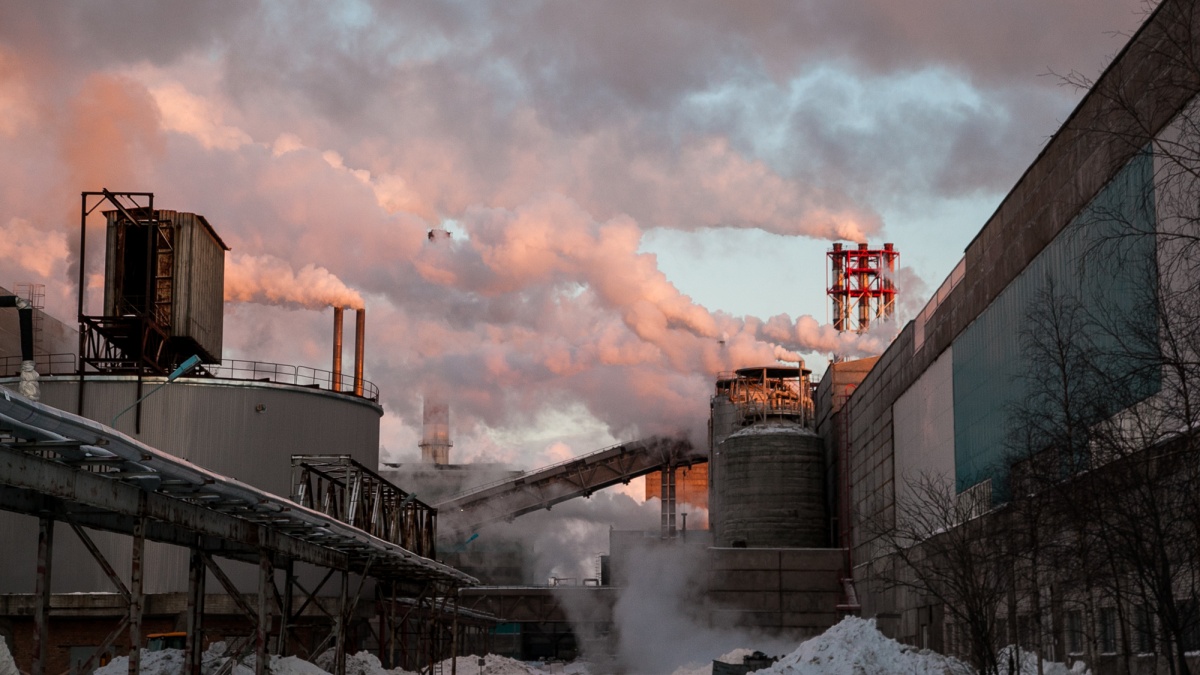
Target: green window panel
<point>1104,260</point>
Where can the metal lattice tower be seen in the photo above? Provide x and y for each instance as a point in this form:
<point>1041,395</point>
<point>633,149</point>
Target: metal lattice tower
<point>862,287</point>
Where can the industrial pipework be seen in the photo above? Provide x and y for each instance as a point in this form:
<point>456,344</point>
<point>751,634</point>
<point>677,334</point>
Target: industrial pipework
<point>862,279</point>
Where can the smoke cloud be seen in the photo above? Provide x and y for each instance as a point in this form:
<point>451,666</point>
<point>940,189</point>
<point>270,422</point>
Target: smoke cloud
<point>324,143</point>
<point>267,279</point>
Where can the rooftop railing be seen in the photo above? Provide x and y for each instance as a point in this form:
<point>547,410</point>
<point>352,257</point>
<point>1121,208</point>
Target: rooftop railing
<point>230,369</point>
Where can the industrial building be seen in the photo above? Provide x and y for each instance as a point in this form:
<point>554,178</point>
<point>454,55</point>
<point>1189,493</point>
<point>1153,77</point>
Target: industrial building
<point>801,481</point>
<point>182,492</point>
<point>1099,226</point>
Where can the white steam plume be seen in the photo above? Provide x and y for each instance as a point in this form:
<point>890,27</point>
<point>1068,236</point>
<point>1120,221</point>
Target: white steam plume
<point>267,279</point>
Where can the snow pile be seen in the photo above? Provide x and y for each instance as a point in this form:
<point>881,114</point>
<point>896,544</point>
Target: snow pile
<point>7,665</point>
<point>1026,662</point>
<point>493,664</point>
<point>291,665</point>
<point>734,657</point>
<point>170,662</point>
<point>855,646</point>
<point>165,662</point>
<point>578,668</point>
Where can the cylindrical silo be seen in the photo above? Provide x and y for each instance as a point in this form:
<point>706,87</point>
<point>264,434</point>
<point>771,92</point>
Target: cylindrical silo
<point>770,488</point>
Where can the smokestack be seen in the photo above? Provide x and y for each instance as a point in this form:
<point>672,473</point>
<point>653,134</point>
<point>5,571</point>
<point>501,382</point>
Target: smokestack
<point>336,380</point>
<point>360,326</point>
<point>435,433</point>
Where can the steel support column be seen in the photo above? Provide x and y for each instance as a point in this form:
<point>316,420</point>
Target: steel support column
<point>285,610</point>
<point>136,598</point>
<point>41,615</point>
<point>339,666</point>
<point>391,624</point>
<point>194,642</point>
<point>454,636</point>
<point>264,613</point>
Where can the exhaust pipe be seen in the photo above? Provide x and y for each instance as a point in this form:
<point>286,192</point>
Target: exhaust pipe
<point>360,325</point>
<point>336,381</point>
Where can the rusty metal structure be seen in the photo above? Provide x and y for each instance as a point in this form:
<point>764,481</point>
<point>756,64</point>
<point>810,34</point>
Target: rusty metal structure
<point>861,285</point>
<point>163,287</point>
<point>342,488</point>
<point>760,393</point>
<point>339,381</point>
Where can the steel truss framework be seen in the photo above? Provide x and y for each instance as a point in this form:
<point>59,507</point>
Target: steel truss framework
<point>61,467</point>
<point>577,477</point>
<point>340,487</point>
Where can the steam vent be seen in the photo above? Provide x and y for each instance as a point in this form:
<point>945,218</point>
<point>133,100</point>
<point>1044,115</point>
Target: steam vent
<point>768,488</point>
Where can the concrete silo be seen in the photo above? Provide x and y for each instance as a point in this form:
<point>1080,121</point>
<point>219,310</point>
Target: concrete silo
<point>766,465</point>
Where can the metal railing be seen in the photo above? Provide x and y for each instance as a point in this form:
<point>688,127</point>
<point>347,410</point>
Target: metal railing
<point>234,369</point>
<point>340,487</point>
<point>301,376</point>
<point>45,364</point>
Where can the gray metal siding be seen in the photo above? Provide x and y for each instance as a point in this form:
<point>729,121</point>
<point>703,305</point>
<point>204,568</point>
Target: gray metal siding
<point>213,424</point>
<point>199,302</point>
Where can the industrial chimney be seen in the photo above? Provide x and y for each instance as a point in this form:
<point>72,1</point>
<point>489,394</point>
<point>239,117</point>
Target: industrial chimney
<point>862,279</point>
<point>435,434</point>
<point>335,383</point>
<point>360,326</point>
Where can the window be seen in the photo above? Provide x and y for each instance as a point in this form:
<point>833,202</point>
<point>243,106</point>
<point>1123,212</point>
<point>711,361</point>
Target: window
<point>1025,628</point>
<point>1191,625</point>
<point>1075,632</point>
<point>1145,630</point>
<point>1108,630</point>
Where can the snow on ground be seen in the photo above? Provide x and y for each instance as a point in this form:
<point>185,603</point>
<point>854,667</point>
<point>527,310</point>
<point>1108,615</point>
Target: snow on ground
<point>1026,664</point>
<point>852,647</point>
<point>7,665</point>
<point>856,646</point>
<point>734,657</point>
<point>165,662</point>
<point>501,665</point>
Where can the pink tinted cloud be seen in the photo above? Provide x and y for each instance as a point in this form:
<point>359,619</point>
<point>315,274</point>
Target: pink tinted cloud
<point>325,162</point>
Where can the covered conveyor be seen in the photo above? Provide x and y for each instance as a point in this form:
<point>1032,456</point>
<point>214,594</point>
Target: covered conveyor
<point>576,477</point>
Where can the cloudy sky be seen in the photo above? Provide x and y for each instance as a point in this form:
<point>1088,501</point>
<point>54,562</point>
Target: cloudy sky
<point>639,194</point>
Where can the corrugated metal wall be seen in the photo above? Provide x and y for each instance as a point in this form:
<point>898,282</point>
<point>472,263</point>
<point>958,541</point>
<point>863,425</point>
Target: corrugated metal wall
<point>991,373</point>
<point>199,283</point>
<point>214,425</point>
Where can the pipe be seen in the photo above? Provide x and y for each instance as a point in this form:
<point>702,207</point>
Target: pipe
<point>839,300</point>
<point>29,376</point>
<point>360,325</point>
<point>336,381</point>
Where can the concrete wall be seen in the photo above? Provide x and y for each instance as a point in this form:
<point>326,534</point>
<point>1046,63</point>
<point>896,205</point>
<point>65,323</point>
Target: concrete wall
<point>924,426</point>
<point>834,390</point>
<point>790,592</point>
<point>1132,102</point>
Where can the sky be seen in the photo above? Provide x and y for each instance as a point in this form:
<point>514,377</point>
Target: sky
<point>638,195</point>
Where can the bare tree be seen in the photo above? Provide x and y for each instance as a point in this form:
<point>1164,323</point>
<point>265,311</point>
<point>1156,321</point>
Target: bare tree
<point>942,547</point>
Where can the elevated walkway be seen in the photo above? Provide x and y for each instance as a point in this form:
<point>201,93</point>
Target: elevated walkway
<point>577,477</point>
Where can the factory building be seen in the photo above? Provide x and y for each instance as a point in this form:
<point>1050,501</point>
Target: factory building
<point>148,368</point>
<point>801,484</point>
<point>1099,226</point>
